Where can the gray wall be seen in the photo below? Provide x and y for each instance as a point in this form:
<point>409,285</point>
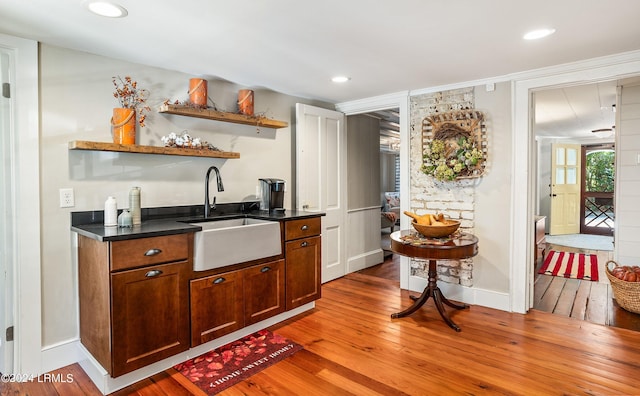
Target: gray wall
<point>387,172</point>
<point>363,161</point>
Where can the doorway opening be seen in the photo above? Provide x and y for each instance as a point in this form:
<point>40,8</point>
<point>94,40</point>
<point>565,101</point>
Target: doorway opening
<point>389,175</point>
<point>597,212</point>
<point>576,178</point>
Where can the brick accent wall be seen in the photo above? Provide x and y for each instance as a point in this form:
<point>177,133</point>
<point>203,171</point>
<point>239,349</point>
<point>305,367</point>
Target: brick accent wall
<point>428,195</point>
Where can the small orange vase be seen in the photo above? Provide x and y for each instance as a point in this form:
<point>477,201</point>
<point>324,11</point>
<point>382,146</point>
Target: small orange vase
<point>245,102</point>
<point>123,126</point>
<point>198,92</point>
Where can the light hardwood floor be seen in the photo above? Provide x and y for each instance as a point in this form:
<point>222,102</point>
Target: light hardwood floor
<point>353,347</point>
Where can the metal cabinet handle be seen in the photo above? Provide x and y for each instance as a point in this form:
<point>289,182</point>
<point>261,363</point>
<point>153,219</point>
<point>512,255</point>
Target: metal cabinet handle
<point>304,244</point>
<point>265,269</point>
<point>152,252</point>
<point>304,227</point>
<point>153,273</point>
<point>218,280</point>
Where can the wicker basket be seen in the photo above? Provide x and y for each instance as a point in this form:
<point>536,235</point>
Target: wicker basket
<point>627,294</point>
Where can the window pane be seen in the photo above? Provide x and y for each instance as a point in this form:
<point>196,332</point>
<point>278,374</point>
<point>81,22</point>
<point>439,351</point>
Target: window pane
<point>559,175</point>
<point>560,156</point>
<point>572,157</point>
<point>571,176</point>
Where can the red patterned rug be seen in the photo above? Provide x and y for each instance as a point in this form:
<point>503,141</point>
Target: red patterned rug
<point>571,265</point>
<point>229,364</point>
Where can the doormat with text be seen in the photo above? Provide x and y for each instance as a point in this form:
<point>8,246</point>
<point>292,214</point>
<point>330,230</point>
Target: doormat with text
<point>571,265</point>
<point>229,364</point>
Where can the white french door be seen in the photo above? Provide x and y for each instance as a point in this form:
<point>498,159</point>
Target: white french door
<point>321,180</point>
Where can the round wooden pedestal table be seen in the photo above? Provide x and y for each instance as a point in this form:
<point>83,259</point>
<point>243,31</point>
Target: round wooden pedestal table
<point>411,244</point>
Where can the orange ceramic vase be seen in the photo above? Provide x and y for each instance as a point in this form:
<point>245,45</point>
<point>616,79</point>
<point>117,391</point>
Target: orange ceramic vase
<point>123,126</point>
<point>245,102</point>
<point>198,92</point>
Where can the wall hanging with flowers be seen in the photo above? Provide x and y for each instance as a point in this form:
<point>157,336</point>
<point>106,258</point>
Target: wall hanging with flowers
<point>454,145</point>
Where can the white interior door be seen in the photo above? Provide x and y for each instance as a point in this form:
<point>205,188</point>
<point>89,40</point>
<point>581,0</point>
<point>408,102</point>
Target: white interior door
<point>565,189</point>
<point>6,244</point>
<point>321,180</point>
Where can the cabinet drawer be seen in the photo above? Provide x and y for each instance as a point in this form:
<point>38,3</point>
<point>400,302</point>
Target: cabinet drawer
<point>147,251</point>
<point>302,228</point>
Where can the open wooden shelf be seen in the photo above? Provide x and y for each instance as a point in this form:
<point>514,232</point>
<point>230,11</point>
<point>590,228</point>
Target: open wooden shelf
<point>215,115</point>
<point>124,148</point>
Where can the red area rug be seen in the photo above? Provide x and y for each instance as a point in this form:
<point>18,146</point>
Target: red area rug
<point>571,265</point>
<point>229,364</point>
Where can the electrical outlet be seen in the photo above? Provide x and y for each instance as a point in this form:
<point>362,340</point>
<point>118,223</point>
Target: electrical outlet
<point>66,198</point>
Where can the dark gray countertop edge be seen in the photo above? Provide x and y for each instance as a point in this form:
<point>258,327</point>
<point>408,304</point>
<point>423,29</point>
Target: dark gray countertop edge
<point>169,221</point>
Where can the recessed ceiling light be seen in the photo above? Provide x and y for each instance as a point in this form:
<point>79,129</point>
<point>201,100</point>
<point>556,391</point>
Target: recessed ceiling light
<point>340,79</point>
<point>106,9</point>
<point>538,34</point>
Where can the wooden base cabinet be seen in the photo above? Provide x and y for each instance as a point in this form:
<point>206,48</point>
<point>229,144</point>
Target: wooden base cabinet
<point>303,261</point>
<point>264,289</point>
<point>134,299</point>
<point>150,315</point>
<point>224,303</point>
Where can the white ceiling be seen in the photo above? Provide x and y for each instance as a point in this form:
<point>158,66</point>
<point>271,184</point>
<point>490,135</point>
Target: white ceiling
<point>295,47</point>
<point>573,112</point>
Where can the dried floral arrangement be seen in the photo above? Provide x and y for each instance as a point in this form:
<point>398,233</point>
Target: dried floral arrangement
<point>129,96</point>
<point>187,142</point>
<point>257,117</point>
<point>188,103</point>
<point>454,145</point>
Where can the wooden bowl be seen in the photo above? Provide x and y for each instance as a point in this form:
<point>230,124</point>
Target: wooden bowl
<point>431,231</point>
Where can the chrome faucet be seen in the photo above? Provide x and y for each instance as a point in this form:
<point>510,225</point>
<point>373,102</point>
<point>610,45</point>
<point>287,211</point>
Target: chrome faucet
<point>207,205</point>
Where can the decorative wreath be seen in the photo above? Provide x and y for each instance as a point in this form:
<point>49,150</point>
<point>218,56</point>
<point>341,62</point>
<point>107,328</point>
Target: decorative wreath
<point>454,148</point>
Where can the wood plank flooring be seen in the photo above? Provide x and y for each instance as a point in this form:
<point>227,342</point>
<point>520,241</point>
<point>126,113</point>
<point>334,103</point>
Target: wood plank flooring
<point>353,347</point>
<point>584,300</point>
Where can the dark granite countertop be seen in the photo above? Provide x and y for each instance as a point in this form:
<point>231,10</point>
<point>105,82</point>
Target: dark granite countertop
<point>173,220</point>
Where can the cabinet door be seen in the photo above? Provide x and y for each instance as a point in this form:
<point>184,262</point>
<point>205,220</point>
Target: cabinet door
<point>216,306</point>
<point>303,277</point>
<point>263,291</point>
<point>150,310</point>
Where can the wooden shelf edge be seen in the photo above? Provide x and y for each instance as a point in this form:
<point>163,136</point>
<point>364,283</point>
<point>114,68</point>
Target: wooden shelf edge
<point>124,148</point>
<point>215,115</point>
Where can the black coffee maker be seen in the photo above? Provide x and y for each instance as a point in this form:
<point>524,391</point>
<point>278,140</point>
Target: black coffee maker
<point>272,195</point>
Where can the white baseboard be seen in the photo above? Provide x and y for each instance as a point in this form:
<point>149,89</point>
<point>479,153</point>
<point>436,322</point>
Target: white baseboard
<point>67,353</point>
<point>467,295</point>
<point>365,260</point>
<point>61,354</point>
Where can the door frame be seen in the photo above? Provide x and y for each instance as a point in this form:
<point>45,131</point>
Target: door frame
<point>524,156</point>
<point>25,192</point>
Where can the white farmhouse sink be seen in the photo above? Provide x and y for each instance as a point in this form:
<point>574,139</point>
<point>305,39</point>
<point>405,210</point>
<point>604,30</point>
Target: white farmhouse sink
<point>227,242</point>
